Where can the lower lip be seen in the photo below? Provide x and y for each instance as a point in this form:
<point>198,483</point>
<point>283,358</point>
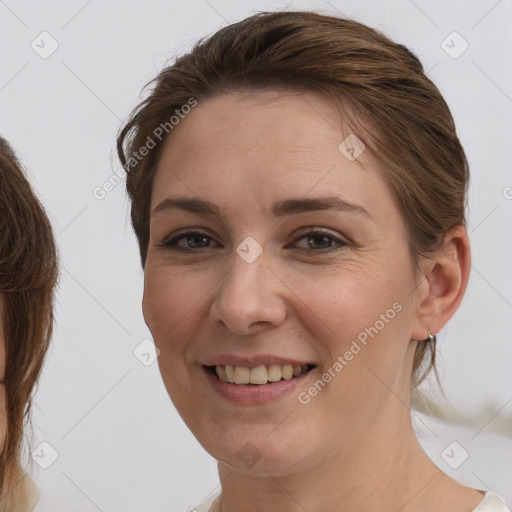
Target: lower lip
<point>254,394</point>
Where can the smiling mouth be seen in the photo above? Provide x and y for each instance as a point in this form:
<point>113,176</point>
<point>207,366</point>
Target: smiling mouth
<point>260,375</point>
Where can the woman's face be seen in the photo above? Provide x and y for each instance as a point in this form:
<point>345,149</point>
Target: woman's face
<point>273,273</point>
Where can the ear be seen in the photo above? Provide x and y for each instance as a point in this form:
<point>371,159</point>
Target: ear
<point>444,277</point>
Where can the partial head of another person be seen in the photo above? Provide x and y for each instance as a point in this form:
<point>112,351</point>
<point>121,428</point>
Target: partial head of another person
<point>28,275</point>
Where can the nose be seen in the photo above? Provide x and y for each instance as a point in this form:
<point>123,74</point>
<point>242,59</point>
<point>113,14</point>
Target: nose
<point>249,297</point>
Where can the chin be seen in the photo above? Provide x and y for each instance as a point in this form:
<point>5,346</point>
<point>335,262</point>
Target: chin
<point>250,449</point>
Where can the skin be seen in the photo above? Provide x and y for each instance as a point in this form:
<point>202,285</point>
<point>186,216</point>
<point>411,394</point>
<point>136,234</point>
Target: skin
<point>352,446</point>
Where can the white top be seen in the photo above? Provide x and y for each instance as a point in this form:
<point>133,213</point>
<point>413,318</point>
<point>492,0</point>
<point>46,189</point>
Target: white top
<point>491,503</point>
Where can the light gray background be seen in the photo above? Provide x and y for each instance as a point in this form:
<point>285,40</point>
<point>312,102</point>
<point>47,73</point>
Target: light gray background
<point>120,443</point>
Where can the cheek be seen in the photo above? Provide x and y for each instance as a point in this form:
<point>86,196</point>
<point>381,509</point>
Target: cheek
<point>170,300</point>
<point>358,315</point>
<point>346,300</point>
<point>163,297</point>
<point>174,309</point>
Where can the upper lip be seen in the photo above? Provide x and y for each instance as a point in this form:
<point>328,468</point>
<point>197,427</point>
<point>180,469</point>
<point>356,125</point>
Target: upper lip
<point>251,362</point>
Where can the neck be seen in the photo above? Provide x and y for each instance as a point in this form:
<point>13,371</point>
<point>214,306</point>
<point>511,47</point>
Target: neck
<point>387,470</point>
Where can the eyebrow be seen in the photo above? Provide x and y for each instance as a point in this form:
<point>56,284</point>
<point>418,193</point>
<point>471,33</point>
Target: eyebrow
<point>279,209</point>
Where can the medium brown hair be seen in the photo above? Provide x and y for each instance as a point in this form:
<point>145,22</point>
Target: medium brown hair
<point>381,87</point>
<point>28,274</point>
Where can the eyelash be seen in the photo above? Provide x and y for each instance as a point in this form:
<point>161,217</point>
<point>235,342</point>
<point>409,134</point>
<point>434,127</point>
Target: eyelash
<point>171,244</point>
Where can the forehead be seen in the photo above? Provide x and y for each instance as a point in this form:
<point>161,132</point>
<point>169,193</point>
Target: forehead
<point>264,145</point>
<point>273,118</point>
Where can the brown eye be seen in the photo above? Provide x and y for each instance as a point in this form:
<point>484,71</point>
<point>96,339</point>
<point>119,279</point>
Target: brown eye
<point>321,241</point>
<point>188,242</point>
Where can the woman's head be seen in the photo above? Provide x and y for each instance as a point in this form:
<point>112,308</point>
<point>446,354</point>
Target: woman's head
<point>381,87</point>
<point>313,109</point>
<point>28,273</point>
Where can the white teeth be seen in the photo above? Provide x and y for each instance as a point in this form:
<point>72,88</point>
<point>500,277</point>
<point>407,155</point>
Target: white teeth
<point>274,373</point>
<point>241,375</point>
<point>260,374</point>
<point>287,372</point>
<point>221,373</point>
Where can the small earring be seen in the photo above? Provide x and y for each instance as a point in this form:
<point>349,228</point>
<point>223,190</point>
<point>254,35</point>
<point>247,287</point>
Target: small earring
<point>431,337</point>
